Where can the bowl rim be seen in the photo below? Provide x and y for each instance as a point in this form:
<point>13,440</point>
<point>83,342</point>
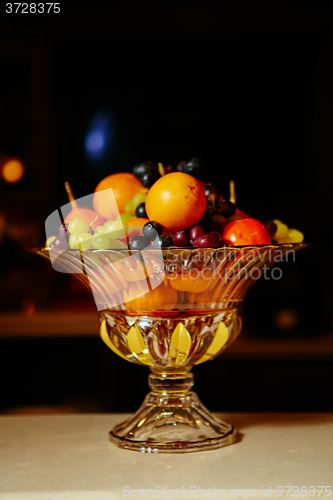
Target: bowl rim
<point>302,244</point>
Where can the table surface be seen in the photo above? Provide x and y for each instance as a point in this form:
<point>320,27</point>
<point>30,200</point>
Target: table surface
<point>70,457</point>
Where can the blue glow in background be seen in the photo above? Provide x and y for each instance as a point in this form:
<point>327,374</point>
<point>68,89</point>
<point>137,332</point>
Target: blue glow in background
<point>99,143</point>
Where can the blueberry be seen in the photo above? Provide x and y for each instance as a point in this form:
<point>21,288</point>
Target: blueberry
<point>192,167</point>
<point>150,178</point>
<point>141,211</point>
<point>138,243</point>
<point>144,168</point>
<point>152,229</point>
<point>162,241</point>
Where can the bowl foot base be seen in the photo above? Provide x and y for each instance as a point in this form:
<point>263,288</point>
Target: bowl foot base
<point>172,423</point>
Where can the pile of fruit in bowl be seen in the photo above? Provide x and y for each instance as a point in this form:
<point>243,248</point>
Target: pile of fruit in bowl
<point>162,208</point>
<point>168,260</point>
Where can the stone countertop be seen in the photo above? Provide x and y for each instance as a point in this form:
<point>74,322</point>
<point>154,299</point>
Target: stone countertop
<point>70,457</point>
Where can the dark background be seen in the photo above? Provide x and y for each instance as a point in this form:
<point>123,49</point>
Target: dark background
<point>245,86</point>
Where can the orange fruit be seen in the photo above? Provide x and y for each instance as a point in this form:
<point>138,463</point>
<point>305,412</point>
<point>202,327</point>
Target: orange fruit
<point>159,298</point>
<point>191,282</point>
<point>177,201</point>
<point>246,232</point>
<point>136,221</point>
<point>124,187</point>
<point>133,227</point>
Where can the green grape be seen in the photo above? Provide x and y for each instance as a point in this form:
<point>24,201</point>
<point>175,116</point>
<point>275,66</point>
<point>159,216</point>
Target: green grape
<point>282,231</point>
<point>117,245</point>
<point>110,224</point>
<point>100,241</point>
<point>78,226</point>
<point>99,229</point>
<point>295,236</point>
<point>72,242</point>
<point>124,217</point>
<point>137,199</point>
<point>129,207</point>
<point>84,241</point>
<point>115,228</point>
<point>49,241</point>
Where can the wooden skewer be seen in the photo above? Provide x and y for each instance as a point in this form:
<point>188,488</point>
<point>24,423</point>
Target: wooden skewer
<point>70,195</point>
<point>232,197</point>
<point>161,169</point>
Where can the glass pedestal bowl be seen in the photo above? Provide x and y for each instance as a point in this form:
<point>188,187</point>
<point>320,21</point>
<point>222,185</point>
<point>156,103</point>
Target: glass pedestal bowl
<point>170,309</point>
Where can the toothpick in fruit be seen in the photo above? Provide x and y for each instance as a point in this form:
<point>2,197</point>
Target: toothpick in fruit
<point>82,213</point>
<point>232,197</point>
<point>161,169</point>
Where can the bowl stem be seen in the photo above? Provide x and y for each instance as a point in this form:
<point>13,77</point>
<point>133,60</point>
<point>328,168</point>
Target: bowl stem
<point>172,419</point>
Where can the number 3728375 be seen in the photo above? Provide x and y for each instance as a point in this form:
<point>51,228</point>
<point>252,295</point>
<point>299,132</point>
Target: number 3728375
<point>32,8</point>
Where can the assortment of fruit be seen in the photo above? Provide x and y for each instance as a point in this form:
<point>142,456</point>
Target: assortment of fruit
<point>164,208</point>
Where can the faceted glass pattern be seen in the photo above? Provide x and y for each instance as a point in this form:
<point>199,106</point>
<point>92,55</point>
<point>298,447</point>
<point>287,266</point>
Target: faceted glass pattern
<point>170,310</point>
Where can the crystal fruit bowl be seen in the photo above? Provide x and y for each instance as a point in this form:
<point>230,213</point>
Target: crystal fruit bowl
<point>170,309</point>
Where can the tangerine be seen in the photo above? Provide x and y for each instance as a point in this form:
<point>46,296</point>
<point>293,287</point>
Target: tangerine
<point>177,201</point>
<point>135,225</point>
<point>196,281</point>
<point>159,298</point>
<point>124,186</point>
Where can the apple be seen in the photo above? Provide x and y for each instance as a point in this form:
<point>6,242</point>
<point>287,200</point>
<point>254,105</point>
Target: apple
<point>245,232</point>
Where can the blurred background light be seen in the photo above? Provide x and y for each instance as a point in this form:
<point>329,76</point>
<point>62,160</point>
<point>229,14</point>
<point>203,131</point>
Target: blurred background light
<point>95,143</point>
<point>99,137</point>
<point>12,170</point>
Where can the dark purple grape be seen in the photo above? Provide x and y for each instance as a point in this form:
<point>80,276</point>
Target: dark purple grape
<point>141,211</point>
<point>144,168</point>
<point>205,221</point>
<point>215,226</point>
<point>150,178</point>
<point>192,167</point>
<point>216,236</point>
<point>181,239</point>
<point>152,229</point>
<point>63,232</point>
<point>226,208</point>
<point>162,241</point>
<point>195,232</point>
<point>271,227</point>
<point>207,240</point>
<point>212,195</point>
<point>180,165</point>
<point>138,243</point>
<point>59,244</point>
